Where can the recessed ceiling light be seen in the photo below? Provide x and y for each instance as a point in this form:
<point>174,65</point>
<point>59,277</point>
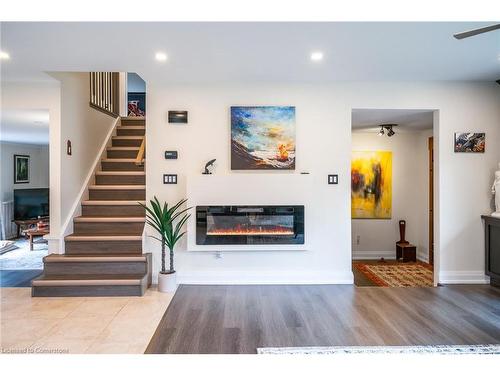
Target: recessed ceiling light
<point>317,56</point>
<point>161,56</point>
<point>4,55</point>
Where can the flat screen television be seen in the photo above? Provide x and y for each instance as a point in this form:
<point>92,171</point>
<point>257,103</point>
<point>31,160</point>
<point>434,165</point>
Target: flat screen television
<point>31,203</point>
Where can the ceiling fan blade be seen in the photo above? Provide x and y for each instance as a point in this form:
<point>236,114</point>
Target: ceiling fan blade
<point>467,34</point>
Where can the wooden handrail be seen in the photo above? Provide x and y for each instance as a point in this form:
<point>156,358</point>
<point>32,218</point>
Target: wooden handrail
<point>105,92</point>
<point>139,160</point>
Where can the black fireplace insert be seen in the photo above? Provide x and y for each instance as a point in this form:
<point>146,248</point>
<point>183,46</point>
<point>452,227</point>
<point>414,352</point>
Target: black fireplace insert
<point>249,225</point>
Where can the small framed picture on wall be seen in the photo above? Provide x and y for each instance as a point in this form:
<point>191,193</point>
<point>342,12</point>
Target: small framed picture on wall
<point>470,142</point>
<point>21,169</point>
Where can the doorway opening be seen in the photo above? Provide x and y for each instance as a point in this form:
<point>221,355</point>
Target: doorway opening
<point>392,197</point>
<point>24,194</point>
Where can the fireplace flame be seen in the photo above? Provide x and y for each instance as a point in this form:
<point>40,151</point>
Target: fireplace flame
<point>240,230</point>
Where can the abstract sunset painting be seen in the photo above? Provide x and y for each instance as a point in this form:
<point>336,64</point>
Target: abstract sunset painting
<point>262,138</point>
<point>371,185</point>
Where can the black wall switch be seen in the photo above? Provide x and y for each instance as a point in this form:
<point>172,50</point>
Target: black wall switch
<point>170,154</point>
<point>169,178</point>
<point>178,117</point>
<point>333,179</point>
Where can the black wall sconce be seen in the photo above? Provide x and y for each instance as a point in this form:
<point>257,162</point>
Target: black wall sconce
<point>178,117</point>
<point>69,150</point>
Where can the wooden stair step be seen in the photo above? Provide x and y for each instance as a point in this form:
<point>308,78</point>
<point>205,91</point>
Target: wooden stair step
<point>120,173</point>
<point>117,187</point>
<point>131,130</point>
<point>90,285</point>
<point>62,258</point>
<point>117,192</point>
<point>92,238</point>
<point>121,164</point>
<point>71,279</point>
<point>117,219</point>
<point>97,264</point>
<point>122,152</point>
<point>113,208</point>
<point>126,141</point>
<point>133,121</point>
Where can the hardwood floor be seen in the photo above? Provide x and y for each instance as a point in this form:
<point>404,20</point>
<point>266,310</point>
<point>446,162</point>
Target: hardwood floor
<point>17,278</point>
<point>239,319</point>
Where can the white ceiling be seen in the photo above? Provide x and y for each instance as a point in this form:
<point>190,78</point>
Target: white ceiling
<point>25,126</point>
<point>408,120</point>
<point>253,52</point>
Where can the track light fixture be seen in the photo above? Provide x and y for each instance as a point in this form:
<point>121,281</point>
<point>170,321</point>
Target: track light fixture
<point>389,128</point>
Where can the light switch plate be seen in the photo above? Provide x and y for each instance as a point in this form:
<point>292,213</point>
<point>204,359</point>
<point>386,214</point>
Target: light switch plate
<point>333,179</point>
<point>169,178</point>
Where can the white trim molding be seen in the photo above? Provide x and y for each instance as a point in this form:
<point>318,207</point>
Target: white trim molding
<point>371,255</point>
<point>241,277</point>
<point>463,277</point>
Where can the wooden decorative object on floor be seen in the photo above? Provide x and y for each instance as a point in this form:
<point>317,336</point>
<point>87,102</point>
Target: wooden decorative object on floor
<point>397,274</point>
<point>407,251</point>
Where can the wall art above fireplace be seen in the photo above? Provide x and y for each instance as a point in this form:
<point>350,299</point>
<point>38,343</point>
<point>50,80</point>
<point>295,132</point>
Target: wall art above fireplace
<point>249,225</point>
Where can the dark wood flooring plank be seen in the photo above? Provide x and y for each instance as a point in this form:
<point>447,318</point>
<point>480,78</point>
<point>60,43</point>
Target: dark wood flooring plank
<point>239,319</point>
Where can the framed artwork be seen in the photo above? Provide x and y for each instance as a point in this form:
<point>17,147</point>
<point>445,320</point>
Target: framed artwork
<point>470,142</point>
<point>371,185</point>
<point>262,138</point>
<point>21,169</point>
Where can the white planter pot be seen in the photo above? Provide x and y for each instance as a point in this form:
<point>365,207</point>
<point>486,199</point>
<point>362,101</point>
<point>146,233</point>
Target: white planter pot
<point>167,282</point>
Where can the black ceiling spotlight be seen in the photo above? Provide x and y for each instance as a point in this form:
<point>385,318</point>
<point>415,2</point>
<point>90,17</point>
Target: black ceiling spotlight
<point>388,127</point>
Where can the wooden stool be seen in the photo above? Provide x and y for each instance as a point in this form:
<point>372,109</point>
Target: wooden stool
<point>407,251</point>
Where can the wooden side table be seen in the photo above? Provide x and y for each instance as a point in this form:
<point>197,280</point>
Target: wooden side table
<point>407,251</point>
<point>32,233</point>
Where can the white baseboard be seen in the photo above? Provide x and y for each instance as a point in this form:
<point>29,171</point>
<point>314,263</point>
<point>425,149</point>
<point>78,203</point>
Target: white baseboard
<point>373,255</point>
<point>463,277</point>
<point>357,255</point>
<point>256,278</point>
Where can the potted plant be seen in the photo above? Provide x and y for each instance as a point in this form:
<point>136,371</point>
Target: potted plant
<point>168,222</point>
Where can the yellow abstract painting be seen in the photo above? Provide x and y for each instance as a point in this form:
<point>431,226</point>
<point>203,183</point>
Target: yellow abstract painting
<point>371,185</point>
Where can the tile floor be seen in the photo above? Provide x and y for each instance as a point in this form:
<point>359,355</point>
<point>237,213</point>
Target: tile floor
<point>79,324</point>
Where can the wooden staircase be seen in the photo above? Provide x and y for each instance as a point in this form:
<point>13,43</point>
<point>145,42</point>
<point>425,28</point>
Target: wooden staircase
<point>104,256</point>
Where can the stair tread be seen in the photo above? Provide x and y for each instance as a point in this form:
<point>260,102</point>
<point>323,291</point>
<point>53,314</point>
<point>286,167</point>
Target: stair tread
<point>127,137</point>
<point>140,127</point>
<point>58,258</point>
<point>112,203</point>
<point>105,237</point>
<point>137,118</point>
<point>122,148</point>
<point>109,219</point>
<point>117,187</point>
<point>88,280</point>
<point>121,173</point>
<point>120,160</point>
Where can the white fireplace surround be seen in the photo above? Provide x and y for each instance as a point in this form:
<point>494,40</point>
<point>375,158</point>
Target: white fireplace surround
<point>248,189</point>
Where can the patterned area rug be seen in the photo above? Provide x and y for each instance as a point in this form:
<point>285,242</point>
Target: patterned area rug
<point>427,349</point>
<point>22,258</point>
<point>398,274</point>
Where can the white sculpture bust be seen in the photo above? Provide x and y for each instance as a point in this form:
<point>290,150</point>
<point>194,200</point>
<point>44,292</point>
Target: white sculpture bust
<point>495,189</point>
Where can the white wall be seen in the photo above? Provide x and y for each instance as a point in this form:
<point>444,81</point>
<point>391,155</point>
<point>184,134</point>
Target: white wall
<point>87,129</point>
<point>324,146</point>
<point>39,168</point>
<point>410,181</point>
<point>135,83</point>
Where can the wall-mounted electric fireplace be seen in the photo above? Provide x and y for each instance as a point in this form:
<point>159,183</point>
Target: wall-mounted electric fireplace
<point>249,225</point>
